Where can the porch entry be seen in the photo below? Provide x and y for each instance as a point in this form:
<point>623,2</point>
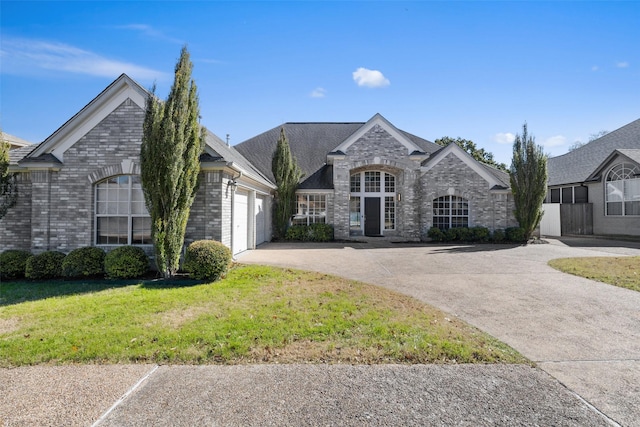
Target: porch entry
<point>372,216</point>
<point>372,203</point>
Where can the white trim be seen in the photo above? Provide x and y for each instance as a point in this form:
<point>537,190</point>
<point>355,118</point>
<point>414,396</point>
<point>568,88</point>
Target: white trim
<point>96,111</point>
<point>384,124</point>
<point>466,159</point>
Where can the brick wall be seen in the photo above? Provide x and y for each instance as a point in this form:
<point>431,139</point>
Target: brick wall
<point>451,176</point>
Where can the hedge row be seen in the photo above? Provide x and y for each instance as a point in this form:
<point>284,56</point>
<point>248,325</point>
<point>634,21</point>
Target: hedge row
<point>125,262</point>
<point>477,234</point>
<point>204,260</point>
<point>310,233</point>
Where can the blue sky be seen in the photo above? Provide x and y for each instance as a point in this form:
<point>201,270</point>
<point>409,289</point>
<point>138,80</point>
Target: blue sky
<point>477,70</point>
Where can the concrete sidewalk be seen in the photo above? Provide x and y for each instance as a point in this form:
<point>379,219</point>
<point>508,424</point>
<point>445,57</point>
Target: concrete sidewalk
<point>584,334</point>
<point>289,395</point>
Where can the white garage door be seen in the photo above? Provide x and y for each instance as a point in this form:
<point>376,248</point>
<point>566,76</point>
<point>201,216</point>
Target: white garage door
<point>260,220</point>
<point>240,220</point>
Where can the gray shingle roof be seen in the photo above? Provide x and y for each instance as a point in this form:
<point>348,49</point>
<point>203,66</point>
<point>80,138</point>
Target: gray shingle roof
<point>310,143</point>
<point>230,154</point>
<point>18,154</point>
<point>576,166</point>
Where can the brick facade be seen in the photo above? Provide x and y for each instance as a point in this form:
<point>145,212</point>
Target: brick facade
<point>56,205</point>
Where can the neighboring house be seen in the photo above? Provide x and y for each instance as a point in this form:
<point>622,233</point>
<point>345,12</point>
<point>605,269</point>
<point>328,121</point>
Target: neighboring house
<point>598,185</point>
<point>372,179</point>
<point>81,186</point>
<point>14,141</point>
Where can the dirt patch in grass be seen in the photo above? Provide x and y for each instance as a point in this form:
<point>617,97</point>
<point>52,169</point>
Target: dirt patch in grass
<point>618,271</point>
<point>8,325</point>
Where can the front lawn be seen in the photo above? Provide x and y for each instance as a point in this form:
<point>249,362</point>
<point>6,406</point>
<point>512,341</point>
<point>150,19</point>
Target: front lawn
<point>256,314</point>
<point>618,271</point>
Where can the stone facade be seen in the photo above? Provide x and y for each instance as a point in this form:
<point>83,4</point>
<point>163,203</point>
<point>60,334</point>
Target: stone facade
<point>378,150</point>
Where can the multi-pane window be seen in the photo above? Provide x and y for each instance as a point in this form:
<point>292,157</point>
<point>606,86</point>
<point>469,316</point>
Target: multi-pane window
<point>355,183</point>
<point>310,209</point>
<point>372,182</point>
<point>389,183</point>
<point>450,212</point>
<point>121,214</point>
<point>389,213</point>
<point>623,190</point>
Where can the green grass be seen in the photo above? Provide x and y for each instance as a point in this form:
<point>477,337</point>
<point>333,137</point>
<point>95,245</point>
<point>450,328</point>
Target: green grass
<point>618,271</point>
<point>256,314</point>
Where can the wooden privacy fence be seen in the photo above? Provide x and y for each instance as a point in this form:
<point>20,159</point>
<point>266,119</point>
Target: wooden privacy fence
<point>564,219</point>
<point>576,218</point>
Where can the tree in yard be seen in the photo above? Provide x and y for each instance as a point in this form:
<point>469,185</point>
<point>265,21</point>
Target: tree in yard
<point>528,181</point>
<point>8,188</point>
<point>470,147</point>
<point>287,175</point>
<point>592,137</point>
<point>170,162</point>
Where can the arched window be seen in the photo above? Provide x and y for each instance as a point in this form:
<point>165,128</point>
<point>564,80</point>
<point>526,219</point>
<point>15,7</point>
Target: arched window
<point>623,190</point>
<point>121,214</point>
<point>450,212</point>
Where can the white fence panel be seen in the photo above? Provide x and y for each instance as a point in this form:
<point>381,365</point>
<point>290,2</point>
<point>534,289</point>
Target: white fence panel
<point>550,224</point>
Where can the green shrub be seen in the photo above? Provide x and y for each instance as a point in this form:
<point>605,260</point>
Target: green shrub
<point>435,234</point>
<point>47,265</point>
<point>516,234</point>
<point>451,234</point>
<point>498,236</point>
<point>126,262</point>
<point>321,232</point>
<point>479,234</point>
<point>13,263</point>
<point>207,260</point>
<point>84,262</point>
<point>296,232</point>
<point>310,233</point>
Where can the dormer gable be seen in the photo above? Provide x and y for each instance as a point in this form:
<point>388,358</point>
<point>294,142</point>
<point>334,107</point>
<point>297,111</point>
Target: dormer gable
<point>378,120</point>
<point>455,150</point>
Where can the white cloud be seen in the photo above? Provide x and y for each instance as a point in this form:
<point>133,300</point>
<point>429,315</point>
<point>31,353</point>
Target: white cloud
<point>26,56</point>
<point>504,138</point>
<point>622,64</point>
<point>370,78</point>
<point>318,93</point>
<point>554,141</point>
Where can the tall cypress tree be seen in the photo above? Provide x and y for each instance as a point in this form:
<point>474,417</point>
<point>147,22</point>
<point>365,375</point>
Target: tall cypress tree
<point>170,161</point>
<point>528,178</point>
<point>8,188</point>
<point>287,175</point>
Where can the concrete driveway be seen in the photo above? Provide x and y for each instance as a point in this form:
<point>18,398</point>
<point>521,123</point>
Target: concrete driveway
<point>584,333</point>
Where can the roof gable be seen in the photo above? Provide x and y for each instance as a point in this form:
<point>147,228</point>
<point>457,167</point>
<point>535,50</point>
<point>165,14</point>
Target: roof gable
<point>630,155</point>
<point>378,120</point>
<point>94,112</point>
<point>579,165</point>
<point>477,167</point>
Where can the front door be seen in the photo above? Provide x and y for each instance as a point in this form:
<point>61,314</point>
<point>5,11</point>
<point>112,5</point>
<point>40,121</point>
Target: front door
<point>372,216</point>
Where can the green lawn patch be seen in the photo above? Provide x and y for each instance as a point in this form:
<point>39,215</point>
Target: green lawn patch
<point>618,271</point>
<point>256,314</point>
